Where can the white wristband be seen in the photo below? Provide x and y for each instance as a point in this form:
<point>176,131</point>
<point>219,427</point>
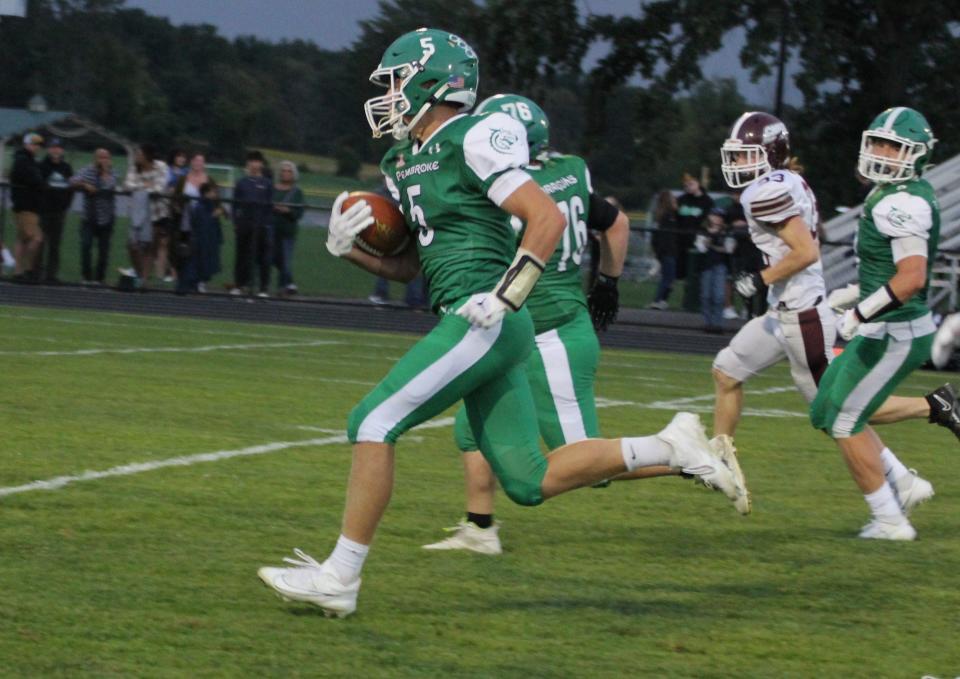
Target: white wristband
<point>879,302</point>
<point>519,279</point>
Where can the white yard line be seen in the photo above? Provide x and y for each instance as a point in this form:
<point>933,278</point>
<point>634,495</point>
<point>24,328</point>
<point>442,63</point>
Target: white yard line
<point>188,460</point>
<point>691,403</point>
<point>170,350</point>
<point>704,404</point>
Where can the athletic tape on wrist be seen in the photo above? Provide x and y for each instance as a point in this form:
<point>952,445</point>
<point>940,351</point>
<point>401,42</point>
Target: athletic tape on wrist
<point>878,303</point>
<point>520,278</point>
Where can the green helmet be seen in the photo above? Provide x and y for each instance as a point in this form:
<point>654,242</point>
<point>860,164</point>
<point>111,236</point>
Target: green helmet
<point>420,69</point>
<point>909,132</point>
<point>527,112</point>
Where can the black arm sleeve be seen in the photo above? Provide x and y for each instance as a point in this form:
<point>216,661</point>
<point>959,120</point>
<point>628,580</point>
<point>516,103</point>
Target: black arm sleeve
<point>602,214</point>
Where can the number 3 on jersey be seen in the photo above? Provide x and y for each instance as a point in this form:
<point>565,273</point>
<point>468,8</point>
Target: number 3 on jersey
<point>424,233</point>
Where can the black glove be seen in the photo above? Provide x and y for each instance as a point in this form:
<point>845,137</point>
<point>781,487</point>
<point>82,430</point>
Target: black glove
<point>748,283</point>
<point>604,301</point>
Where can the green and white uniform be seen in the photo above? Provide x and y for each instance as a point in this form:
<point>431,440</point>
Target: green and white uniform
<point>450,187</point>
<point>899,220</point>
<point>563,366</point>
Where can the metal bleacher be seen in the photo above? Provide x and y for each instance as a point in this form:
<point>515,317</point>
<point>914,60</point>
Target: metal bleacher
<point>838,262</point>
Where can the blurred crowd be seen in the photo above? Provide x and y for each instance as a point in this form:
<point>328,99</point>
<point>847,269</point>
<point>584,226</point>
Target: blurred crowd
<point>704,242</point>
<point>175,231</point>
<point>176,216</point>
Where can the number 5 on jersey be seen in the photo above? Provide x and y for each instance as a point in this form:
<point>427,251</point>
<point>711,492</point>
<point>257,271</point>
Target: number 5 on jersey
<point>425,233</point>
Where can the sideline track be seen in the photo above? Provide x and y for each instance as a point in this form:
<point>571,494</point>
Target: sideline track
<point>634,329</point>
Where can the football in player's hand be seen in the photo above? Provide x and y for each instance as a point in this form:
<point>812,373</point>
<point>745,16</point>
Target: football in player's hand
<point>388,234</point>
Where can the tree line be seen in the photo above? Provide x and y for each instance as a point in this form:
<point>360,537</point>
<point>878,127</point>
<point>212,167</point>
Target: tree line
<point>641,116</point>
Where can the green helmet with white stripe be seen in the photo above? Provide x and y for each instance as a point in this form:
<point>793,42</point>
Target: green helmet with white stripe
<point>527,112</point>
<point>896,147</point>
<point>419,69</point>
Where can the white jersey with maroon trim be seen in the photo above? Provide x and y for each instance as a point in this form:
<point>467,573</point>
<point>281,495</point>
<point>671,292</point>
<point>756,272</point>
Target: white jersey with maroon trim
<point>768,202</point>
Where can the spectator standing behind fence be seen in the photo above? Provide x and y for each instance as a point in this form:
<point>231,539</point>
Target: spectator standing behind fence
<point>716,244</point>
<point>693,205</point>
<point>177,167</point>
<point>149,208</point>
<point>186,192</point>
<point>251,220</point>
<point>98,183</point>
<point>202,262</point>
<point>26,192</point>
<point>665,247</point>
<point>57,196</point>
<point>287,212</point>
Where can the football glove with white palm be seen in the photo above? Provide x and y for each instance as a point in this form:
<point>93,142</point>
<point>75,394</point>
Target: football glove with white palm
<point>345,226</point>
<point>748,283</point>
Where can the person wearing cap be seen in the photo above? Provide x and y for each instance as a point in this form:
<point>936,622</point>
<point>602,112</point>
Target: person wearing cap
<point>27,186</point>
<point>55,202</point>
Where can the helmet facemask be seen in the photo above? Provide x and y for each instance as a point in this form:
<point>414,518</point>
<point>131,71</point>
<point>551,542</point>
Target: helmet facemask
<point>740,174</point>
<point>882,169</point>
<point>385,113</point>
<point>420,69</point>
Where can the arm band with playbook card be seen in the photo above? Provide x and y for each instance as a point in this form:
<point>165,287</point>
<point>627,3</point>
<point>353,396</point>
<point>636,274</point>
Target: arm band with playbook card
<point>520,278</point>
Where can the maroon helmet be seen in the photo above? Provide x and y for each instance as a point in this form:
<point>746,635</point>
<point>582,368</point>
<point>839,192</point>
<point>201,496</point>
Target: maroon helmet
<point>759,143</point>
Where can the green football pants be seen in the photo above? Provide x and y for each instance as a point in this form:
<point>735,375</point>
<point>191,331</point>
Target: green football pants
<point>561,371</point>
<point>859,380</point>
<point>485,368</point>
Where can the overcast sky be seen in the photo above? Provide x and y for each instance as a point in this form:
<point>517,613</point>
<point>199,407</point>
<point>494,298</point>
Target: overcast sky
<point>332,24</point>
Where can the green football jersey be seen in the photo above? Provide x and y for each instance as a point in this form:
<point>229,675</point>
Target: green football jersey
<point>558,295</point>
<point>894,211</point>
<point>449,188</point>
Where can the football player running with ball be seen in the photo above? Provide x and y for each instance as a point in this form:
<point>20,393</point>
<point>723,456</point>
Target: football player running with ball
<point>459,180</point>
<point>563,363</point>
<point>890,327</point>
<point>781,212</point>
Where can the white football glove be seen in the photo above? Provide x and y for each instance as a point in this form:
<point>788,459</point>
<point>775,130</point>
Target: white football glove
<point>748,284</point>
<point>483,310</point>
<point>946,340</point>
<point>848,324</point>
<point>344,227</point>
<point>844,298</point>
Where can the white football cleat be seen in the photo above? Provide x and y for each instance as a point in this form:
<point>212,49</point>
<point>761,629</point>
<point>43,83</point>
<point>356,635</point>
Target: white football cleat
<point>313,583</point>
<point>912,490</point>
<point>469,536</point>
<point>693,454</point>
<point>722,447</point>
<point>885,530</point>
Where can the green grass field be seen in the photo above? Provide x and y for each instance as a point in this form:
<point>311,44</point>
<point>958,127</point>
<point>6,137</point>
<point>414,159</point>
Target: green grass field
<point>150,570</point>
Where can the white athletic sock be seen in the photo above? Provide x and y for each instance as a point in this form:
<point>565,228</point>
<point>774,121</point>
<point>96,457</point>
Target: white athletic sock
<point>884,506</point>
<point>893,468</point>
<point>347,559</point>
<point>644,451</point>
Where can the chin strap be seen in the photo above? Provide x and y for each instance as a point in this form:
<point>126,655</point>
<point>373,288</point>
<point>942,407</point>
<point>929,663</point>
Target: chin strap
<point>516,284</point>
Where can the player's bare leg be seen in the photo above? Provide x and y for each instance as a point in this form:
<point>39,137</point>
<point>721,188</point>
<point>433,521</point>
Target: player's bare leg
<point>334,584</point>
<point>728,403</point>
<point>478,532</point>
<point>682,445</point>
<point>480,482</point>
<point>939,407</point>
<point>899,408</point>
<point>368,490</point>
<point>862,453</point>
